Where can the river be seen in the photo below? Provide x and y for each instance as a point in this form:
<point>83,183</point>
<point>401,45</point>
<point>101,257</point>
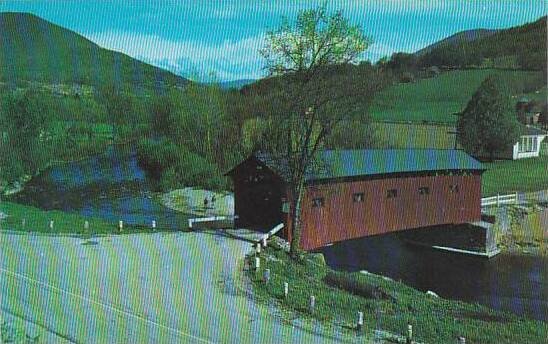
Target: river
<point>514,283</point>
<point>112,186</point>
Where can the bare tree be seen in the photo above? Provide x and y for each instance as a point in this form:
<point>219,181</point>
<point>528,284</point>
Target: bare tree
<point>310,92</point>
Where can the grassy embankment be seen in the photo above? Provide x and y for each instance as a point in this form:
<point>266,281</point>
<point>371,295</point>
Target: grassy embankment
<point>436,99</point>
<point>386,304</point>
<point>503,177</point>
<point>29,219</point>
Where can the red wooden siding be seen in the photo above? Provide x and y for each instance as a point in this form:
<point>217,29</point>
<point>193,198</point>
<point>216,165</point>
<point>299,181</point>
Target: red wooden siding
<point>342,219</point>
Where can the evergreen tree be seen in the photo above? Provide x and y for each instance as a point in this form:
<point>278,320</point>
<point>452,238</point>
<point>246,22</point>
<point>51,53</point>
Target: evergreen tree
<point>488,124</point>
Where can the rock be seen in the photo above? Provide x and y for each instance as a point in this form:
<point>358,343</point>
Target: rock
<point>317,258</point>
<point>278,243</point>
<point>431,293</point>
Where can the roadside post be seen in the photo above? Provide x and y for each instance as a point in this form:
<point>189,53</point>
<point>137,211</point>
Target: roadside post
<point>312,304</point>
<point>153,225</point>
<point>51,224</point>
<point>258,248</point>
<point>121,225</point>
<point>86,225</point>
<point>409,337</point>
<point>266,276</point>
<point>286,289</point>
<point>461,340</point>
<point>360,321</point>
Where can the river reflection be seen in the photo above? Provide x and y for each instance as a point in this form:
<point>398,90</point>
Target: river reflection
<point>506,282</point>
<point>110,186</point>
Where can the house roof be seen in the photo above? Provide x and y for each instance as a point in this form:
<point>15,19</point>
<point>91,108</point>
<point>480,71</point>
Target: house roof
<point>334,164</point>
<point>532,131</point>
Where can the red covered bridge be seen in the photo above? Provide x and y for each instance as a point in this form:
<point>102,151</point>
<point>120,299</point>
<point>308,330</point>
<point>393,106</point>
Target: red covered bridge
<point>362,192</point>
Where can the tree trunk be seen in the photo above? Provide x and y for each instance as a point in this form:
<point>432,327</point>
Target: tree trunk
<point>296,224</point>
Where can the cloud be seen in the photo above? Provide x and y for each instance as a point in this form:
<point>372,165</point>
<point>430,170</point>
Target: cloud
<point>227,60</point>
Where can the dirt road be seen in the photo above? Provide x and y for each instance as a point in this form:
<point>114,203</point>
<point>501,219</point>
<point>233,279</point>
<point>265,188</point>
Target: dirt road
<point>142,288</point>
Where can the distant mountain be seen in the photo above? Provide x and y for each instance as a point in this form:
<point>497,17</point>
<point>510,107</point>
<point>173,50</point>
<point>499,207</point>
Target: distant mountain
<point>236,84</point>
<point>522,47</point>
<point>463,36</point>
<point>35,50</point>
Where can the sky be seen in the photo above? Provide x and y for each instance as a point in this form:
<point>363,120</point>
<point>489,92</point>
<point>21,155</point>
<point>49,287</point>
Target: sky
<point>206,39</point>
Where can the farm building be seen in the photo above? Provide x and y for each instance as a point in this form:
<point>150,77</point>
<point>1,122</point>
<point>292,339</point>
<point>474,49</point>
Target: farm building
<point>360,193</point>
<point>528,145</point>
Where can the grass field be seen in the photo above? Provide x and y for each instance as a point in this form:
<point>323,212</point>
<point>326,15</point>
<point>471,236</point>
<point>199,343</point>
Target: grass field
<point>29,219</point>
<point>509,176</point>
<point>385,303</point>
<point>539,95</point>
<point>413,135</point>
<point>436,99</point>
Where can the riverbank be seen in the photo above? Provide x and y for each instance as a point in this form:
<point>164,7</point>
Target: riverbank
<point>22,218</point>
<point>522,229</point>
<point>386,304</point>
<point>14,187</point>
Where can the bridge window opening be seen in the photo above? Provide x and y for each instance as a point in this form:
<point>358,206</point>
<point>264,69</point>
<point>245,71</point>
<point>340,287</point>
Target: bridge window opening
<point>318,202</point>
<point>392,193</point>
<point>358,197</point>
<point>454,188</point>
<point>424,190</point>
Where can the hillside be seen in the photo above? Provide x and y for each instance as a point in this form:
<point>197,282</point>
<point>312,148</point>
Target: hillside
<point>463,36</point>
<point>522,47</point>
<point>33,49</point>
<point>236,84</point>
<point>436,99</point>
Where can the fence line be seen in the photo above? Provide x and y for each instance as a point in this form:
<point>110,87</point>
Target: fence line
<point>500,200</point>
<point>191,222</point>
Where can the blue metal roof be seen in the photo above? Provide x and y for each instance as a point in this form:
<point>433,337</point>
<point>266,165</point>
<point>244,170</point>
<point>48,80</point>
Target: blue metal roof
<point>353,163</point>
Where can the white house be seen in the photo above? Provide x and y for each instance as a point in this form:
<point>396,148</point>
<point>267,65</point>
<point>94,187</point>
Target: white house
<point>529,143</point>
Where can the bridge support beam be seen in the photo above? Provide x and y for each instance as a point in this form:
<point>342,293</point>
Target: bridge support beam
<point>474,239</point>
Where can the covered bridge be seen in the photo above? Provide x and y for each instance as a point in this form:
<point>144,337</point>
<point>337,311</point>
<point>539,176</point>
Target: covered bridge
<point>360,193</point>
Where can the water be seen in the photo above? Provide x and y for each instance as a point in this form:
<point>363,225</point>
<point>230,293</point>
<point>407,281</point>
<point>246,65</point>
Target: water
<point>110,186</point>
<point>506,282</point>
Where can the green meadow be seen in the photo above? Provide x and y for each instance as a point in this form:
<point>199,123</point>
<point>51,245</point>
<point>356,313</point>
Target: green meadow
<point>413,135</point>
<point>524,175</point>
<point>437,99</point>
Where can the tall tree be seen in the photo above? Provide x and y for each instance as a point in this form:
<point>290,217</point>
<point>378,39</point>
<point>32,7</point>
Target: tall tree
<point>310,94</point>
<point>119,105</point>
<point>488,124</point>
<point>24,122</point>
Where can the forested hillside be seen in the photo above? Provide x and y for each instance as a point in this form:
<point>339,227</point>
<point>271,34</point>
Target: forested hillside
<point>35,50</point>
<point>522,47</point>
<point>463,36</point>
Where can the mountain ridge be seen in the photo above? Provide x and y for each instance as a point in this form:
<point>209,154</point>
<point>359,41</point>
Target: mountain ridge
<point>466,35</point>
<point>68,57</point>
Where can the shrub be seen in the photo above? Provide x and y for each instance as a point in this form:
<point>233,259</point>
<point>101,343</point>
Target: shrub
<point>175,166</point>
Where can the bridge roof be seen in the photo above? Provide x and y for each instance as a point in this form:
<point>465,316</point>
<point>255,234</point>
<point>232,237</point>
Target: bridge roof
<point>333,164</point>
